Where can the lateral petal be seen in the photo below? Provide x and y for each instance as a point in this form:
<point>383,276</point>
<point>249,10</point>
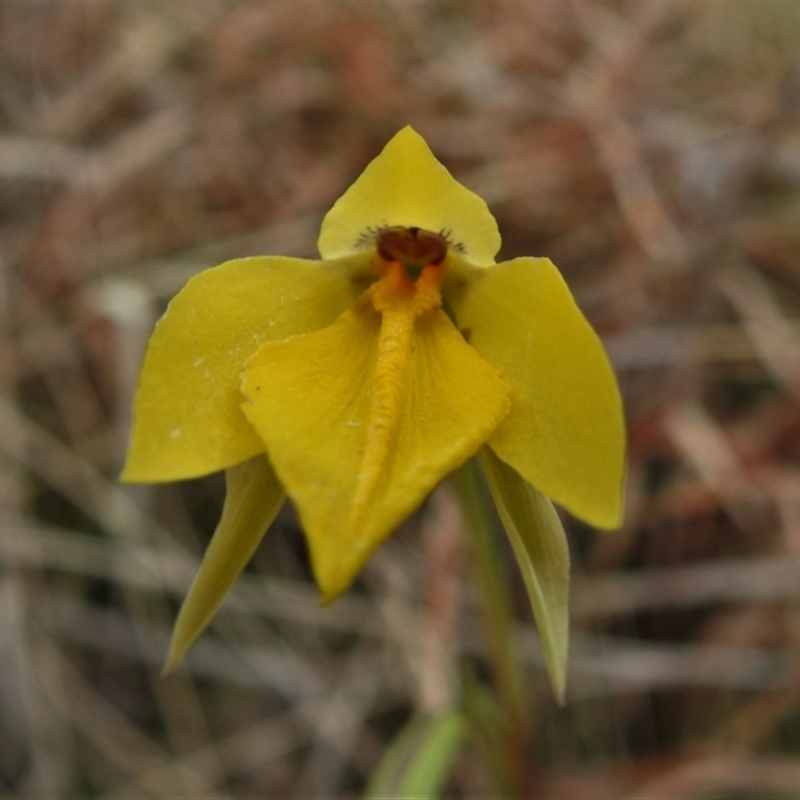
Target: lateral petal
<point>187,418</point>
<point>407,186</point>
<point>360,433</point>
<point>253,498</point>
<point>565,433</point>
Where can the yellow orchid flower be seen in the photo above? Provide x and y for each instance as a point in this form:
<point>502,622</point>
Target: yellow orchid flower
<point>356,383</point>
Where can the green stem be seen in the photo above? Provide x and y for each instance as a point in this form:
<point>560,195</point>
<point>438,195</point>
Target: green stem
<point>492,580</point>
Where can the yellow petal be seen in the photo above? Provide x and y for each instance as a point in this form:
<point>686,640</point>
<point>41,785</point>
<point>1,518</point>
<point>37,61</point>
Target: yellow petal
<point>253,498</point>
<point>187,418</point>
<point>565,433</point>
<point>406,186</point>
<point>361,424</point>
<point>541,550</point>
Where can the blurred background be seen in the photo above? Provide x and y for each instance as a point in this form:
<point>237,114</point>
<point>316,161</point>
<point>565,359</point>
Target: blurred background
<point>651,149</point>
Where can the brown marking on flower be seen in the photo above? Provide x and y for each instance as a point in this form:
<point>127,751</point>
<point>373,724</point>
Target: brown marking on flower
<point>414,248</point>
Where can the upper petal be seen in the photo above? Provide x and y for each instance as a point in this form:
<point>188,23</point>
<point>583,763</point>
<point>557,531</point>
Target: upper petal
<point>360,432</point>
<point>565,433</point>
<point>187,417</point>
<point>406,186</point>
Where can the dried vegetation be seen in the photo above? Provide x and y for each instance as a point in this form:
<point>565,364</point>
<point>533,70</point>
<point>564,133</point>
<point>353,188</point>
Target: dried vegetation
<point>652,149</point>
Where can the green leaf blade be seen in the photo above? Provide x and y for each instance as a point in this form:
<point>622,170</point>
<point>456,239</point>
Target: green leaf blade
<point>416,765</point>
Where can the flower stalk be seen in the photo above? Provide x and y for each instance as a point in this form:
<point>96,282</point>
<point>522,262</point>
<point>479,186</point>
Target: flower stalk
<point>512,729</point>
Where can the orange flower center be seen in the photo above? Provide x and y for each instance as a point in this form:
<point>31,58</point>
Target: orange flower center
<point>414,248</point>
<point>412,263</point>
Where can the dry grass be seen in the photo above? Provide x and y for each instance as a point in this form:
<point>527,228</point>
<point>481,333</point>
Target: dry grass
<point>650,148</point>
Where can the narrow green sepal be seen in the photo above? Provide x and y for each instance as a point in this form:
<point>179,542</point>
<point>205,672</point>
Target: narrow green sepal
<point>253,498</point>
<point>540,546</point>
